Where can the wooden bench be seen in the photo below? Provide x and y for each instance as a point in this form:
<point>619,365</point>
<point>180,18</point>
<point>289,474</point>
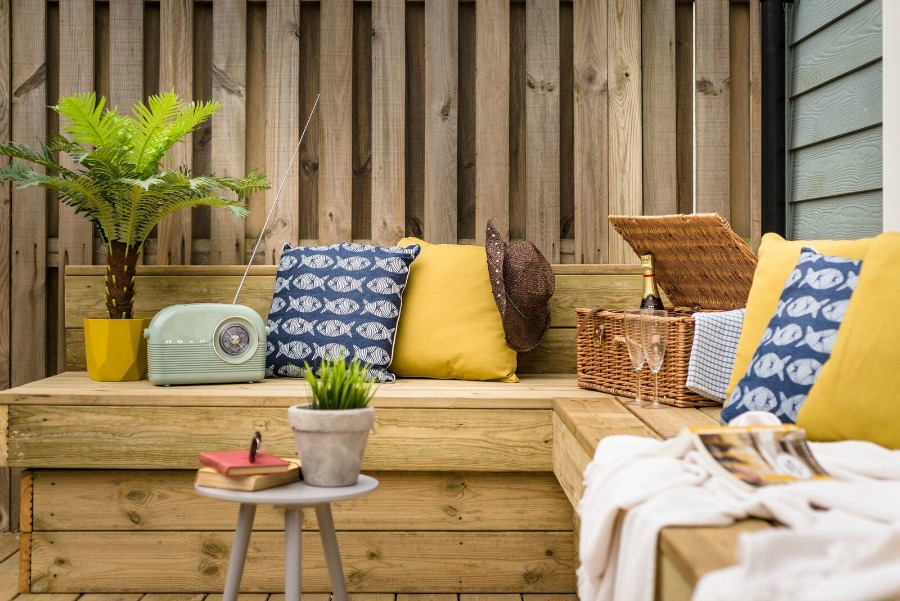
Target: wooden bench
<point>468,499</point>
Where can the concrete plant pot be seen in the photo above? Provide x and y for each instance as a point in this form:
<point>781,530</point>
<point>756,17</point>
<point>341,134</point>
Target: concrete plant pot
<point>330,443</point>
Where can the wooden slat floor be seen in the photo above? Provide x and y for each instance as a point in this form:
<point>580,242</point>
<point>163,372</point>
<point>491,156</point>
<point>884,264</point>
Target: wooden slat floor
<point>9,576</point>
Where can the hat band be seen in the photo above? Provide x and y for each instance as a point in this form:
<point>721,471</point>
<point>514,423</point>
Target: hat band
<point>509,298</point>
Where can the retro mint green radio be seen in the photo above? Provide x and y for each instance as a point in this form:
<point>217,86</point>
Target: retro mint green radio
<point>206,343</point>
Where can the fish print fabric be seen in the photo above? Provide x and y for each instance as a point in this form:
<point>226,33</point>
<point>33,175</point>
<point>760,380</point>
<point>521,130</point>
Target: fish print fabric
<point>338,301</point>
<point>799,338</point>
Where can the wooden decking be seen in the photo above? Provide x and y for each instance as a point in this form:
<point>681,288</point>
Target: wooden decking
<point>9,567</point>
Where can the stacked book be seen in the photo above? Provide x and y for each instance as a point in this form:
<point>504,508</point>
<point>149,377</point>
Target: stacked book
<point>233,470</point>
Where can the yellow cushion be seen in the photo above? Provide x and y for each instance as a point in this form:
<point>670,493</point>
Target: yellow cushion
<point>450,327</point>
<point>777,258</point>
<point>857,393</point>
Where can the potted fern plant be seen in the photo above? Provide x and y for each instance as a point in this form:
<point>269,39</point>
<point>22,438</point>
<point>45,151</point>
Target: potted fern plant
<point>332,429</point>
<point>119,183</point>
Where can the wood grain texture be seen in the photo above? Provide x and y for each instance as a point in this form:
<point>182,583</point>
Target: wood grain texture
<point>373,561</point>
<point>132,500</point>
<point>840,218</point>
<point>26,501</point>
<point>566,129</point>
<point>625,141</point>
<point>441,120</point>
<point>739,118</point>
<point>719,544</point>
<point>755,125</point>
<point>660,107</point>
<point>282,124</point>
<point>426,597</point>
<point>684,117</point>
<point>229,125</point>
<point>134,597</point>
<point>7,496</point>
<point>388,121</point>
<point>414,156</point>
<point>361,226</point>
<point>5,207</point>
<point>126,55</point>
<point>592,420</point>
<point>9,544</point>
<point>518,130</point>
<point>845,165</point>
<point>838,108</point>
<point>810,17</point>
<point>668,421</point>
<point>256,145</point>
<point>569,461</point>
<point>310,30</point>
<point>542,100</point>
<point>9,576</point>
<point>713,108</point>
<point>466,135</point>
<point>176,72</point>
<point>850,43</point>
<point>24,580</point>
<point>28,255</point>
<point>172,437</point>
<point>335,141</point>
<point>492,117</point>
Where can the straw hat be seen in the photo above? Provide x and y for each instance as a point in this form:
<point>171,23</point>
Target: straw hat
<point>522,282</point>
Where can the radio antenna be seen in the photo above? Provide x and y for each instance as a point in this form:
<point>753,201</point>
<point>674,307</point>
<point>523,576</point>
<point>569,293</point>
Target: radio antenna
<point>275,202</point>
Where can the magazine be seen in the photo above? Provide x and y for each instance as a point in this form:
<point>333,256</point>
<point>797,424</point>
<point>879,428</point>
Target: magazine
<point>760,455</point>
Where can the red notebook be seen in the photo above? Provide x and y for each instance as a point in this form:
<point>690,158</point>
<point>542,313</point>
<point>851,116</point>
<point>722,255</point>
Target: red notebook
<point>237,463</point>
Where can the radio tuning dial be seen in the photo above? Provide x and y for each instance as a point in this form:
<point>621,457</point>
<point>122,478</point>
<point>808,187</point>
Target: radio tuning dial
<point>234,339</point>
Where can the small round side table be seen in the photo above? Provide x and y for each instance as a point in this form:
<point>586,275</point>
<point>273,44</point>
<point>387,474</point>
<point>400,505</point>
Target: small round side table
<point>293,497</point>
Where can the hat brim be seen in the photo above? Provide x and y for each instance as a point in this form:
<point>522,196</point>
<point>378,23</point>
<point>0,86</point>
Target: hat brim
<point>496,256</point>
<point>523,334</point>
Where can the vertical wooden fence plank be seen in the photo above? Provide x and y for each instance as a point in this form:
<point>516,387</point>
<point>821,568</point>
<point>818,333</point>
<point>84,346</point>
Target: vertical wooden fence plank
<point>176,71</point>
<point>283,123</point>
<point>361,144</point>
<point>739,117</point>
<point>414,181</point>
<point>491,116</point>
<point>542,109</point>
<point>684,83</point>
<point>388,121</point>
<point>441,115</point>
<point>466,149</point>
<point>256,119</point>
<point>518,116</point>
<point>712,108</point>
<point>755,125</point>
<point>5,233</point>
<point>567,129</point>
<point>335,189</point>
<point>126,54</point>
<point>76,76</point>
<point>229,86</point>
<point>29,206</point>
<point>591,128</point>
<point>660,157</point>
<point>309,150</point>
<point>625,154</point>
<point>201,147</point>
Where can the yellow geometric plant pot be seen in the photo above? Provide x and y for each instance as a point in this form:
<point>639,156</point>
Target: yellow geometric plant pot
<point>116,349</point>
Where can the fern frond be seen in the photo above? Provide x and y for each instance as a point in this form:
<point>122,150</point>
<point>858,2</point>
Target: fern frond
<point>24,153</point>
<point>88,123</point>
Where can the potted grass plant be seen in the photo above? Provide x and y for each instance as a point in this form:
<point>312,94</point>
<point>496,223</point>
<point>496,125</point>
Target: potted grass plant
<point>332,429</point>
<point>119,182</point>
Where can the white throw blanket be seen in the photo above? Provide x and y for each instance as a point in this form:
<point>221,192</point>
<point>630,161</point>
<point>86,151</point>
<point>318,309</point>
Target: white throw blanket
<point>841,540</point>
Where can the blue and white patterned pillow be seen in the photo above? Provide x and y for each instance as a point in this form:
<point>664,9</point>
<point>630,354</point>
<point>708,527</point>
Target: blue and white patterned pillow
<point>336,301</point>
<point>799,338</point>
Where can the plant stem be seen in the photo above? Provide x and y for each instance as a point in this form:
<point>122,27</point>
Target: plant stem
<point>121,262</point>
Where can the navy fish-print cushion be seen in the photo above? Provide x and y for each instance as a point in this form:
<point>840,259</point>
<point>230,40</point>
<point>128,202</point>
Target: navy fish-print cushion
<point>336,301</point>
<point>799,338</point>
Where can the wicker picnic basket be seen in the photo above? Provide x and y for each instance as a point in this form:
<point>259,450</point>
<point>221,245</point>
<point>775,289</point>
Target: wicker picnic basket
<point>700,264</point>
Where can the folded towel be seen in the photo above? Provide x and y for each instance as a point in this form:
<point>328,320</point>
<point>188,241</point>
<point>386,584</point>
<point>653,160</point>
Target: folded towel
<point>712,354</point>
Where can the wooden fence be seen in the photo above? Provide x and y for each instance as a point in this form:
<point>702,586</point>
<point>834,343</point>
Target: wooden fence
<point>544,116</point>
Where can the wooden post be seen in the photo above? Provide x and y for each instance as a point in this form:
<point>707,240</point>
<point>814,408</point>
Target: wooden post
<point>176,66</point>
<point>542,83</point>
<point>229,127</point>
<point>684,82</point>
<point>659,93</point>
<point>283,122</point>
<point>755,125</point>
<point>29,206</point>
<point>388,121</point>
<point>5,215</point>
<point>336,148</point>
<point>625,154</point>
<point>126,54</point>
<point>441,119</point>
<point>76,76</point>
<point>491,117</point>
<point>712,107</point>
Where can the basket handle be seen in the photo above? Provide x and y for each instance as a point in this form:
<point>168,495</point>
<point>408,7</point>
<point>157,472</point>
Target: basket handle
<point>583,321</point>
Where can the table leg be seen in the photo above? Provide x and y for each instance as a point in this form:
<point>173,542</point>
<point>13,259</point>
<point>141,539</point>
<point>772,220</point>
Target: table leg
<point>293,528</point>
<point>239,551</point>
<point>332,556</point>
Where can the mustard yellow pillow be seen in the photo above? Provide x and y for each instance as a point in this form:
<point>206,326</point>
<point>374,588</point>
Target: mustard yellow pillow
<point>777,258</point>
<point>450,327</point>
<point>857,393</point>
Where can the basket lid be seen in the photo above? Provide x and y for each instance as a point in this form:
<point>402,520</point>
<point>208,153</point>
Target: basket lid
<point>700,261</point>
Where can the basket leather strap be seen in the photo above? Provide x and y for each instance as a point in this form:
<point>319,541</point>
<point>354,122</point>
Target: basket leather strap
<point>583,321</point>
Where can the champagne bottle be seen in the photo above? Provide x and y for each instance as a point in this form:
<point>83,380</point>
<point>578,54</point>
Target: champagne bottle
<point>650,298</point>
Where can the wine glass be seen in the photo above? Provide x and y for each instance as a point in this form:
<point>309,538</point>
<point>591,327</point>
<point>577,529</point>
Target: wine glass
<point>654,332</point>
<point>634,342</point>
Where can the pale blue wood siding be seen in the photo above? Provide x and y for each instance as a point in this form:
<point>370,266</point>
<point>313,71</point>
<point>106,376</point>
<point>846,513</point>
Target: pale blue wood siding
<point>834,119</point>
